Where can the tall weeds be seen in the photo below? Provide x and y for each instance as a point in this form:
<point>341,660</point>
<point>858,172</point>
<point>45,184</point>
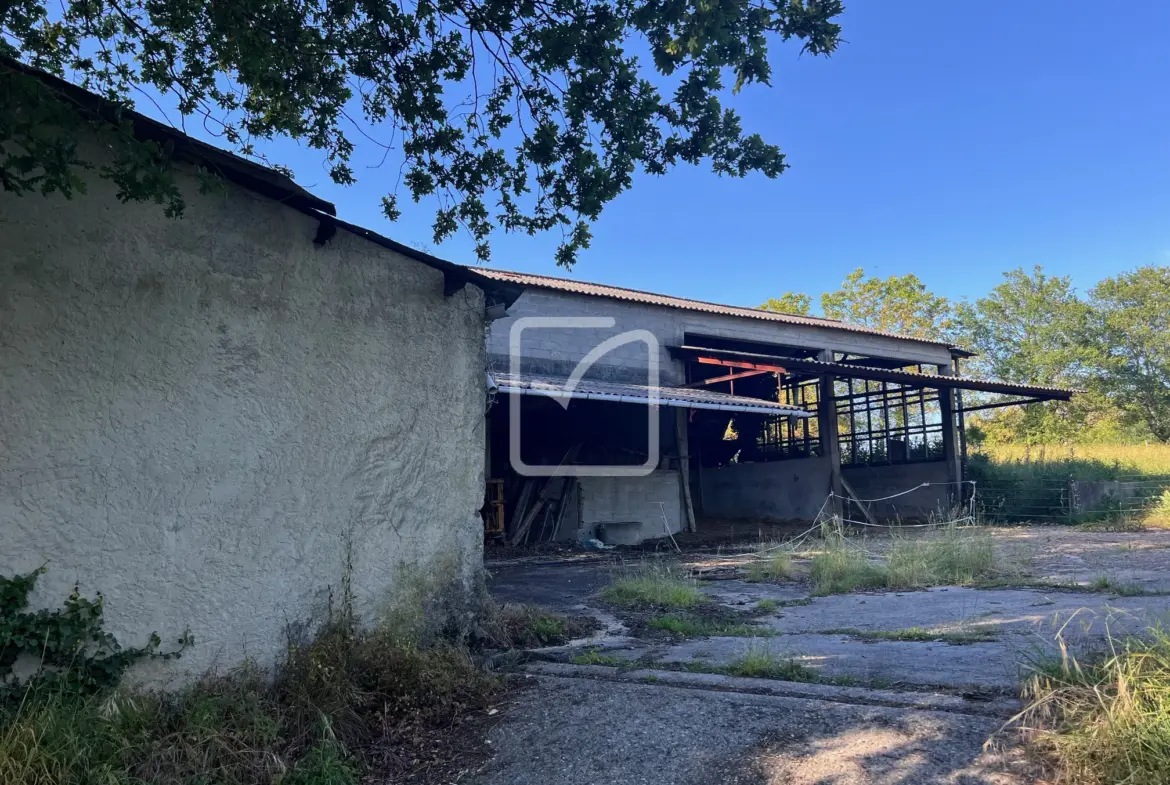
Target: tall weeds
<point>312,721</point>
<point>1104,720</point>
<point>949,555</point>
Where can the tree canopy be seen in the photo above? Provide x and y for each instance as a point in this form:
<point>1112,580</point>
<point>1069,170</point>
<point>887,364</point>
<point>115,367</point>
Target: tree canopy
<point>899,304</point>
<point>1035,328</point>
<point>525,115</point>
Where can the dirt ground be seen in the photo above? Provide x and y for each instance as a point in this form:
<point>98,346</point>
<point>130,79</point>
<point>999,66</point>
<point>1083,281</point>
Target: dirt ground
<point>885,711</point>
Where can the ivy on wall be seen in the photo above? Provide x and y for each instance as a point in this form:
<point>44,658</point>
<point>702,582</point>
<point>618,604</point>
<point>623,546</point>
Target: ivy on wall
<point>69,644</point>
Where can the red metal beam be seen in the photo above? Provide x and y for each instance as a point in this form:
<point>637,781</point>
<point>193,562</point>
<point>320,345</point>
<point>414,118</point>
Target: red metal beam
<point>739,364</point>
<point>729,377</point>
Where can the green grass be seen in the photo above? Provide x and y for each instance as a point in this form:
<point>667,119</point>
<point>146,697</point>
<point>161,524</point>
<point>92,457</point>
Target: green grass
<point>690,626</point>
<point>766,607</point>
<point>1104,583</point>
<point>919,634</point>
<point>1104,720</point>
<point>1029,482</point>
<point>595,657</point>
<point>759,662</point>
<point>774,566</point>
<point>842,568</point>
<point>952,555</point>
<point>654,587</point>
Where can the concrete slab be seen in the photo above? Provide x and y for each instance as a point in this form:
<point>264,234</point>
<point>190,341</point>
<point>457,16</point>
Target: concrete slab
<point>575,731</point>
<point>881,663</point>
<point>932,701</point>
<point>1025,611</point>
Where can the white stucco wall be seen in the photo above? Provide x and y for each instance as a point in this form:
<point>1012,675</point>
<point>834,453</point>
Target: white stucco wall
<point>197,414</point>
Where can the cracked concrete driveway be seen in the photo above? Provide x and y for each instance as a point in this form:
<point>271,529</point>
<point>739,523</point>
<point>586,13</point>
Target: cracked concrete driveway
<point>888,710</point>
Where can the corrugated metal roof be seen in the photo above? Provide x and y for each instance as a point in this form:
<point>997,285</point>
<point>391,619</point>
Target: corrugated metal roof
<point>650,298</point>
<point>678,397</point>
<point>897,375</point>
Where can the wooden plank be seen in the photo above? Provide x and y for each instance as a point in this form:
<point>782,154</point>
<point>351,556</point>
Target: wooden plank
<point>684,465</point>
<point>853,495</point>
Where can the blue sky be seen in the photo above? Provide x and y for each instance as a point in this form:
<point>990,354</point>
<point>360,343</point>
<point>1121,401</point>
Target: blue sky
<point>954,140</point>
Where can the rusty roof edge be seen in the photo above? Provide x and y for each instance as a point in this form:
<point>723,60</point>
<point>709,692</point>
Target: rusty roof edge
<point>568,284</point>
<point>845,370</point>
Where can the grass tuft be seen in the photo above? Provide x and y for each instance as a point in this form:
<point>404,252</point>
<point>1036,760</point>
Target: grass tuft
<point>688,626</point>
<point>953,555</point>
<point>1105,720</point>
<point>841,568</point>
<point>917,634</point>
<point>521,626</point>
<point>759,662</point>
<point>774,566</point>
<point>595,657</point>
<point>660,587</point>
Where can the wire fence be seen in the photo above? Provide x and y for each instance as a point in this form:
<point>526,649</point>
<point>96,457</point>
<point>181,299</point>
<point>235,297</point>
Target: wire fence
<point>1072,500</point>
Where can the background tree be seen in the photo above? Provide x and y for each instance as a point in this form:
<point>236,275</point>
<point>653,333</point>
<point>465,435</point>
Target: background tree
<point>899,304</point>
<point>1127,341</point>
<point>790,302</point>
<point>525,115</point>
<point>1027,329</point>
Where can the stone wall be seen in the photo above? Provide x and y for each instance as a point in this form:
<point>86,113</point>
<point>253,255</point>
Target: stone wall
<point>205,419</point>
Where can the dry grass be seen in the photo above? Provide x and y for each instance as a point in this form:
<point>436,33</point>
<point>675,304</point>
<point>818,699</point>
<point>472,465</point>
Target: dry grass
<point>521,626</point>
<point>951,555</point>
<point>775,565</point>
<point>1106,720</point>
<point>331,712</point>
<point>1137,458</point>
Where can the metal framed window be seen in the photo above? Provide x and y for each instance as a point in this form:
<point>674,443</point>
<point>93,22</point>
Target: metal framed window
<point>887,423</point>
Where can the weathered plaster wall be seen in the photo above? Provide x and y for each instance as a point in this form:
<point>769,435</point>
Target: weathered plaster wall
<point>779,490</point>
<point>872,482</point>
<point>620,499</point>
<point>197,416</point>
<point>558,350</point>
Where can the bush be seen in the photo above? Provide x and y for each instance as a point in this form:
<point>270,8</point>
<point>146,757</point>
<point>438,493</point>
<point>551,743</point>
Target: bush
<point>1105,720</point>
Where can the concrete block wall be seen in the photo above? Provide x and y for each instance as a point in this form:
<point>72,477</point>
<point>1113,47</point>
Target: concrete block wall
<point>780,490</point>
<point>871,482</point>
<point>623,499</point>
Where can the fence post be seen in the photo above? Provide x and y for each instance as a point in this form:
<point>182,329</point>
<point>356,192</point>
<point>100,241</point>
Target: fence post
<point>1072,489</point>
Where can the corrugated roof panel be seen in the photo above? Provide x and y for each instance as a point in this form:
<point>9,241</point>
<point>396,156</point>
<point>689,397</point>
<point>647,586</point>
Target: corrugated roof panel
<point>620,392</point>
<point>650,298</point>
